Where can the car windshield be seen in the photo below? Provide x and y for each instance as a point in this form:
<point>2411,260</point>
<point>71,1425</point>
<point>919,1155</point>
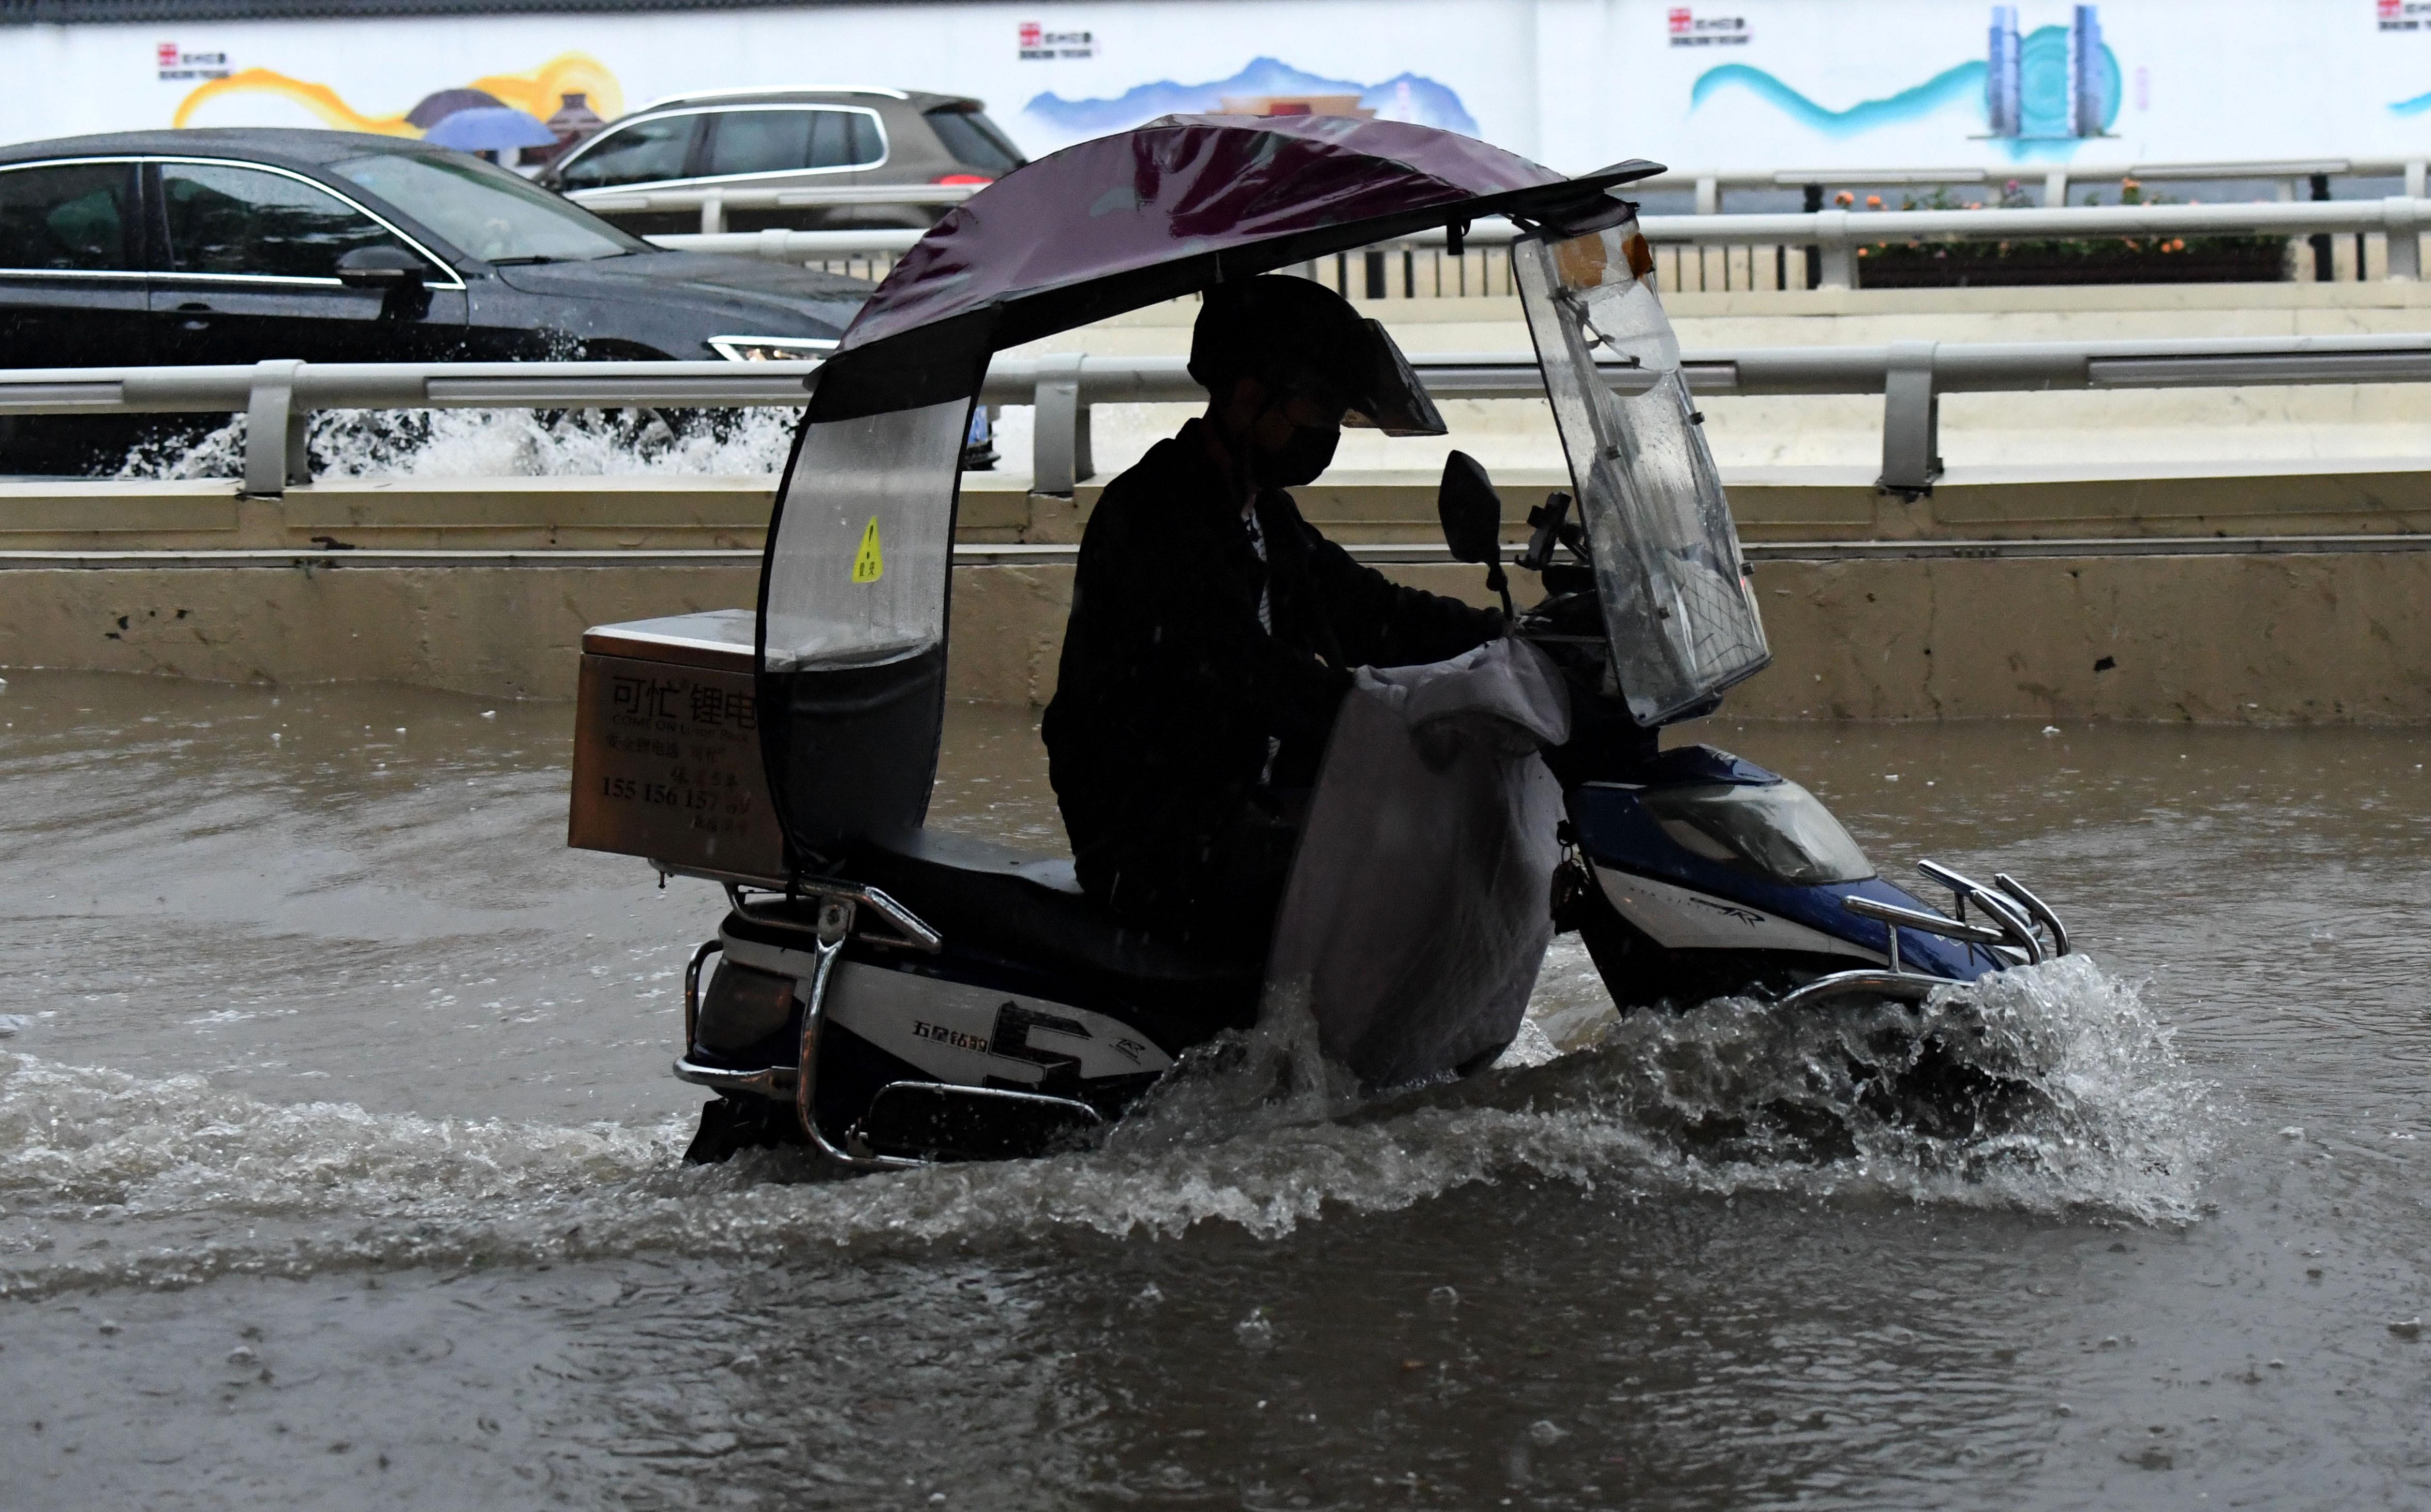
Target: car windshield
<point>487,212</point>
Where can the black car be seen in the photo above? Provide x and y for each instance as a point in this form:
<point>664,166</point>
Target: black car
<point>239,245</point>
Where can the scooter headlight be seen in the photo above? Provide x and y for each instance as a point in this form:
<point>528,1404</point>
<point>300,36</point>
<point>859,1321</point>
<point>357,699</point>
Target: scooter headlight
<point>1778,829</point>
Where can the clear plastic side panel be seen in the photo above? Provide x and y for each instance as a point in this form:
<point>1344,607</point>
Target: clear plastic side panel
<point>852,673</point>
<point>1677,604</point>
<point>865,539</point>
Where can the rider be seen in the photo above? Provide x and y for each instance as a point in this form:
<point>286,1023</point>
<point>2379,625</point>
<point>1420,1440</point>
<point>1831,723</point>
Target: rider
<point>1213,630</point>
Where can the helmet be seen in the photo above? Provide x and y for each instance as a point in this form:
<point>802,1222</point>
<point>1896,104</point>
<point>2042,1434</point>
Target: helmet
<point>1297,335</point>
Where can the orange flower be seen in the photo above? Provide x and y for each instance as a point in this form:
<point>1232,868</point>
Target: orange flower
<point>1974,204</point>
<point>1873,202</point>
<point>2129,183</point>
<point>1844,198</point>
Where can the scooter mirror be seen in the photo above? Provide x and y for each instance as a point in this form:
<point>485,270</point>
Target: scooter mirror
<point>1470,509</point>
<point>1471,513</point>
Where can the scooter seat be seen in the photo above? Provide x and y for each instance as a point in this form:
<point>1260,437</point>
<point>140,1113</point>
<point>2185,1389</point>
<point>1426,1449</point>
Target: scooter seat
<point>1028,910</point>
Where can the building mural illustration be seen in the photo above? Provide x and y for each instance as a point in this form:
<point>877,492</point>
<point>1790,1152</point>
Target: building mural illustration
<point>560,103</point>
<point>1730,85</point>
<point>2056,85</point>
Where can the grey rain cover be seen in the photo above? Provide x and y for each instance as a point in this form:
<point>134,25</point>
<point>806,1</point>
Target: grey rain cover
<point>1419,905</point>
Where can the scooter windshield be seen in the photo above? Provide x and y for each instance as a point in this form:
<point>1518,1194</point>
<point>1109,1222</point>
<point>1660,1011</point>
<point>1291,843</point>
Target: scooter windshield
<point>1677,604</point>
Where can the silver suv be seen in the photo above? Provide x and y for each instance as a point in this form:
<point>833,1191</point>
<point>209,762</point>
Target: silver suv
<point>787,138</point>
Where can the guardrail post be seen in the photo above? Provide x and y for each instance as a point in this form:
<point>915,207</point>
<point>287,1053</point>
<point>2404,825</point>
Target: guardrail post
<point>712,216</point>
<point>1059,437</point>
<point>2415,175</point>
<point>2055,189</point>
<point>2405,227</point>
<point>2323,270</point>
<point>1911,421</point>
<point>1839,257</point>
<point>274,454</point>
<point>1814,254</point>
<point>1709,196</point>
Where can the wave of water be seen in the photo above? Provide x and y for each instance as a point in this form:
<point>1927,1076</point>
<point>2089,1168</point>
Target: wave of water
<point>351,444</point>
<point>109,1179</point>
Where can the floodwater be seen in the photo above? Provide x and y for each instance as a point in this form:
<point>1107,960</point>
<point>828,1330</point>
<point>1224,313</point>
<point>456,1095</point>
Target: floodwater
<point>339,1165</point>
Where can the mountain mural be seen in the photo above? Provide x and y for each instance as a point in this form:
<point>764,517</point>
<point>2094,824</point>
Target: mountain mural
<point>1403,97</point>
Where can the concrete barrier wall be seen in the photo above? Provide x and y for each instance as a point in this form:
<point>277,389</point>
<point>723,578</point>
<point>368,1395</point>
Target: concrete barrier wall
<point>2304,636</point>
<point>1772,504</point>
<point>2312,637</point>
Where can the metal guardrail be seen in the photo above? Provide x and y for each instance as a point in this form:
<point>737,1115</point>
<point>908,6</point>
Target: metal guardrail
<point>1831,236</point>
<point>1839,233</point>
<point>1710,184</point>
<point>713,202</point>
<point>279,398</point>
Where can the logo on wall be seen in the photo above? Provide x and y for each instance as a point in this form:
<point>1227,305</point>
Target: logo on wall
<point>1689,29</point>
<point>1038,44</point>
<point>176,65</point>
<point>2404,15</point>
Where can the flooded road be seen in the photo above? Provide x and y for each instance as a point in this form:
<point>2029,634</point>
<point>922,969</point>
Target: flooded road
<point>339,1165</point>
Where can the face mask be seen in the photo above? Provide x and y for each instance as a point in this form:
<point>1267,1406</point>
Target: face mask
<point>1301,460</point>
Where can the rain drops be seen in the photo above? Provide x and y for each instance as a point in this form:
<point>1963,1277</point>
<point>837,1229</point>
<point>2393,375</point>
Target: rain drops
<point>1254,1332</point>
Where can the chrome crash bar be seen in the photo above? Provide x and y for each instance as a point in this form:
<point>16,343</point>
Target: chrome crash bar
<point>1897,918</point>
<point>2013,909</point>
<point>1907,986</point>
<point>798,1083</point>
<point>2012,905</point>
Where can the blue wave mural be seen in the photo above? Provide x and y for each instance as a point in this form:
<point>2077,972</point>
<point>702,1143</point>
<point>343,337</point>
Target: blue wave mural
<point>2413,107</point>
<point>1953,86</point>
<point>1403,98</point>
<point>2043,87</point>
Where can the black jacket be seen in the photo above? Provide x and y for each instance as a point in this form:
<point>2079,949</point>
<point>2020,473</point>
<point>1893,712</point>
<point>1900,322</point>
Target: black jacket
<point>1169,689</point>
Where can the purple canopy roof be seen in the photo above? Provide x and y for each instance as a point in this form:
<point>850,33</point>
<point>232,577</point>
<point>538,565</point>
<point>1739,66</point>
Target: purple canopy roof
<point>1177,205</point>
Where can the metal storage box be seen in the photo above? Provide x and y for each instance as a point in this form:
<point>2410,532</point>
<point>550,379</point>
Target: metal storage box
<point>666,747</point>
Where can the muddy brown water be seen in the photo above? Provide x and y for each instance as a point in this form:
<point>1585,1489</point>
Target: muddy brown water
<point>338,1166</point>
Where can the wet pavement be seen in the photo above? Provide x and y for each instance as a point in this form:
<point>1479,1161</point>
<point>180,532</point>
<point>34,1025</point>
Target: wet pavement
<point>338,1166</point>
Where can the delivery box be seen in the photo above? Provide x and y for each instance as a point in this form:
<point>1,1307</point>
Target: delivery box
<point>666,748</point>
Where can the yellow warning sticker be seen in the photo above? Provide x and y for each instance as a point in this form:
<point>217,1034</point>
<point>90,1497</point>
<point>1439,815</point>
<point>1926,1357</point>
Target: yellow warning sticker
<point>868,563</point>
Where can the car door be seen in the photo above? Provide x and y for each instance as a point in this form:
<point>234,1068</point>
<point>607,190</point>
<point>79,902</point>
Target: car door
<point>70,266</point>
<point>656,152</point>
<point>71,296</point>
<point>246,269</point>
<point>787,148</point>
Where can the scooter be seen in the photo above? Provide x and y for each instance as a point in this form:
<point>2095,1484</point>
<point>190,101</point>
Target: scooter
<point>893,995</point>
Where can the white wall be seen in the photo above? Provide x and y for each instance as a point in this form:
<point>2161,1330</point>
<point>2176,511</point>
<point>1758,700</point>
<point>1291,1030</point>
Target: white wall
<point>1573,82</point>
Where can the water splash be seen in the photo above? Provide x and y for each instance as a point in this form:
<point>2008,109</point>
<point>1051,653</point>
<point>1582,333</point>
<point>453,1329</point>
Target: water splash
<point>109,1179</point>
<point>352,444</point>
